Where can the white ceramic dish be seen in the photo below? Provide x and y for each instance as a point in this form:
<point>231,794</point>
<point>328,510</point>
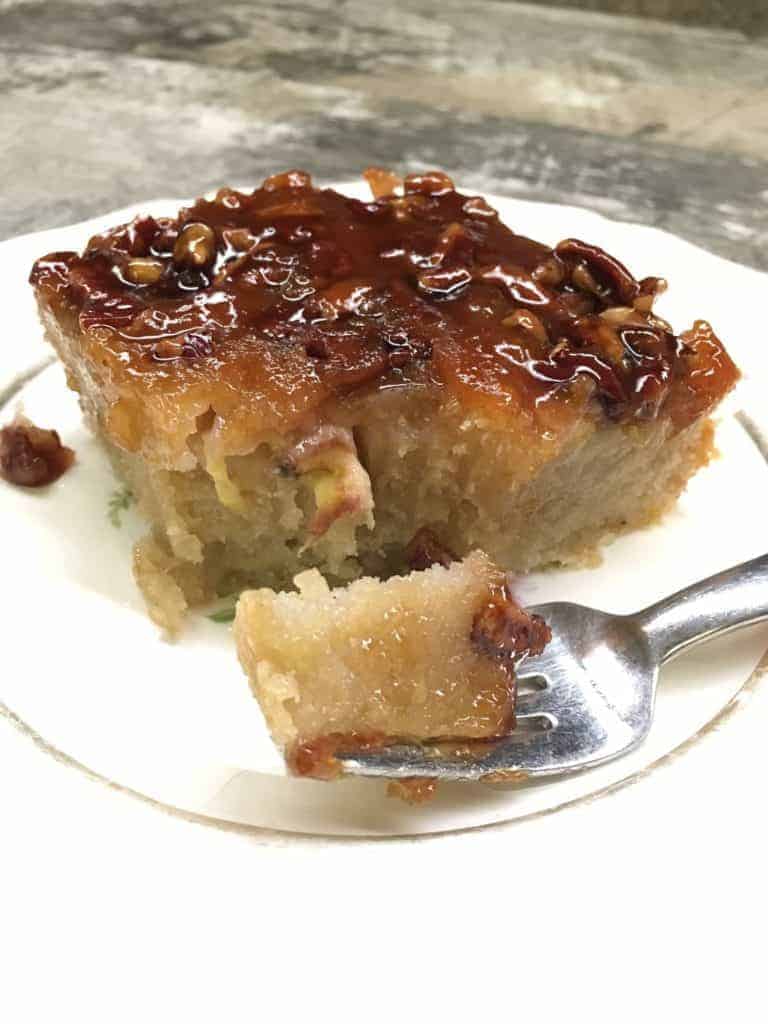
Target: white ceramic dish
<point>84,668</point>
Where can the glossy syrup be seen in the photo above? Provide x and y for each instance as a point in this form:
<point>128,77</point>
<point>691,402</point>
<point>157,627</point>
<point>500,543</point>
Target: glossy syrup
<point>298,294</point>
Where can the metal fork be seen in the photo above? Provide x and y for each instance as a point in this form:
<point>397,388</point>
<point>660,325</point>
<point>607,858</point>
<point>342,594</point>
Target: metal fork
<point>589,697</point>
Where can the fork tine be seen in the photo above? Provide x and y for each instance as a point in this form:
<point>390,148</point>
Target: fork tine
<point>593,682</point>
<point>531,755</point>
<point>533,704</point>
<point>541,664</point>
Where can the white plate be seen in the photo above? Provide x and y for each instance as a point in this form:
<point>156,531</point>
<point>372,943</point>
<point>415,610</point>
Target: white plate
<point>84,668</point>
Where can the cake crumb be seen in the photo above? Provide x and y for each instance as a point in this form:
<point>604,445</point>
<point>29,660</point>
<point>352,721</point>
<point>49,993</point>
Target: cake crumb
<point>413,791</point>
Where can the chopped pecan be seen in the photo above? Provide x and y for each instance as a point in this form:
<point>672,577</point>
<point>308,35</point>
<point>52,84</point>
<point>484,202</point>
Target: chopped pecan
<point>239,239</point>
<point>616,315</point>
<point>454,244</point>
<point>600,334</point>
<point>430,183</point>
<point>165,239</point>
<point>426,549</point>
<point>478,208</point>
<point>228,198</point>
<point>504,630</point>
<point>382,182</point>
<point>31,456</point>
<point>316,758</point>
<point>196,344</point>
<point>519,285</point>
<point>196,246</point>
<point>288,179</point>
<point>650,289</point>
<point>166,349</point>
<point>352,297</point>
<point>550,271</point>
<point>143,270</point>
<point>525,320</point>
<point>141,234</point>
<point>445,282</point>
<point>612,279</point>
<point>297,207</point>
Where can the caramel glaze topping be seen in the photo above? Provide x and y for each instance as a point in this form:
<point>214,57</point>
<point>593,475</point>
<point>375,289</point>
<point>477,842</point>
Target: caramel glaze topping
<point>502,629</point>
<point>425,549</point>
<point>317,759</point>
<point>31,456</point>
<point>293,295</point>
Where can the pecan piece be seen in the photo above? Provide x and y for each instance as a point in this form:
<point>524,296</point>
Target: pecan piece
<point>477,208</point>
<point>139,236</point>
<point>30,456</point>
<point>650,289</point>
<point>382,182</point>
<point>196,246</point>
<point>444,283</point>
<point>143,270</point>
<point>550,271</point>
<point>430,183</point>
<point>518,284</point>
<point>596,268</point>
<point>454,244</point>
<point>525,320</point>
<point>288,179</point>
<point>228,198</point>
<point>425,549</point>
<point>504,630</point>
<point>166,349</point>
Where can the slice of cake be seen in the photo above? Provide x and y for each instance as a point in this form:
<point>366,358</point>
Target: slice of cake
<point>291,379</point>
<point>426,656</point>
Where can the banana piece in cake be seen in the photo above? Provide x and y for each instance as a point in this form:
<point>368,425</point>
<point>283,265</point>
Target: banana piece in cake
<point>427,656</point>
<point>291,378</point>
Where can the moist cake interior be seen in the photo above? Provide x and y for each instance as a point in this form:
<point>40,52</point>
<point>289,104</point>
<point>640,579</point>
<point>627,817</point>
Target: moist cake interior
<point>430,655</point>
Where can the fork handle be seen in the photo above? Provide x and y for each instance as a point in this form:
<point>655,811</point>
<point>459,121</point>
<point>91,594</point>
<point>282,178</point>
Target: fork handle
<point>724,602</point>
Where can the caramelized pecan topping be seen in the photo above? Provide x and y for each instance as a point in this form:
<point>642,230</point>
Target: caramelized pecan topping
<point>426,549</point>
<point>195,247</point>
<point>504,630</point>
<point>288,179</point>
<point>30,456</point>
<point>430,183</point>
<point>382,182</point>
<point>302,294</point>
<point>143,270</point>
<point>606,276</point>
<point>316,759</point>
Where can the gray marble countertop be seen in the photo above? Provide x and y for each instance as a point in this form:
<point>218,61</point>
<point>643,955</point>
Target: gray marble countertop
<point>103,103</point>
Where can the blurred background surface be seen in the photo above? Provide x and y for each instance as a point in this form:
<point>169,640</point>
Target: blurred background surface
<point>646,110</point>
<point>749,16</point>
